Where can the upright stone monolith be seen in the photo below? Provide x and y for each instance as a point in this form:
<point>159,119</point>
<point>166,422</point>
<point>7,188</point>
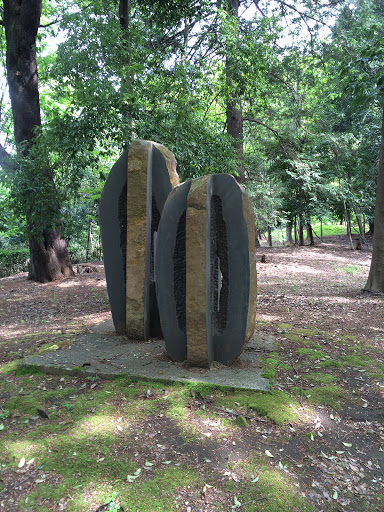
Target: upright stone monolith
<point>206,272</point>
<point>130,208</point>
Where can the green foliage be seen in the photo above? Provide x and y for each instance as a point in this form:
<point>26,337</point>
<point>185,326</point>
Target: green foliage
<point>13,261</point>
<point>310,106</point>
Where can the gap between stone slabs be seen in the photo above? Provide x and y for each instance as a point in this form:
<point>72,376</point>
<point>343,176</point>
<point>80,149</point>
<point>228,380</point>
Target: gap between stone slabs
<point>102,353</point>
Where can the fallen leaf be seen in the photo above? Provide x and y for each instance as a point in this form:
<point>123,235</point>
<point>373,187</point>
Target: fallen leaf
<point>21,463</point>
<point>348,445</point>
<point>237,503</point>
<point>269,454</point>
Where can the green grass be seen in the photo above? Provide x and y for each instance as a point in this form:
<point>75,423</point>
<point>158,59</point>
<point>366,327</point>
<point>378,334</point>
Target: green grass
<point>332,229</point>
<point>352,269</point>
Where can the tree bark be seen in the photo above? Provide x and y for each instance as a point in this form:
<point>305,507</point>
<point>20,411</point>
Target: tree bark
<point>348,220</point>
<point>269,236</point>
<point>301,234</point>
<point>49,259</point>
<point>233,109</point>
<point>288,233</point>
<point>375,282</point>
<point>310,234</point>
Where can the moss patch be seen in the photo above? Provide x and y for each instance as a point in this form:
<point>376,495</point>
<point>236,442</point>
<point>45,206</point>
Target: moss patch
<point>319,377</point>
<point>353,361</point>
<point>333,396</point>
<point>274,491</point>
<point>269,365</point>
<point>311,354</point>
<point>330,363</point>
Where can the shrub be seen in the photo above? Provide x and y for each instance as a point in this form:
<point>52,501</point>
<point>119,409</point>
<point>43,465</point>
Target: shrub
<point>13,261</point>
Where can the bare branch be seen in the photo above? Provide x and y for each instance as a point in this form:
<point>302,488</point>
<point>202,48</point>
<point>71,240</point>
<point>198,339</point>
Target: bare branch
<point>49,24</point>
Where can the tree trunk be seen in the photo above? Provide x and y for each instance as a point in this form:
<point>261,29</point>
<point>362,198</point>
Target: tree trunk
<point>49,259</point>
<point>89,241</point>
<point>301,234</point>
<point>356,209</point>
<point>310,234</point>
<point>301,227</point>
<point>48,253</point>
<point>269,236</point>
<point>375,282</point>
<point>288,233</point>
<point>233,109</point>
<point>124,14</point>
<point>321,230</point>
<point>348,220</point>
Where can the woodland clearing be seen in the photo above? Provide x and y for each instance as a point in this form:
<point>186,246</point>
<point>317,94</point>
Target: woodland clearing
<point>313,442</point>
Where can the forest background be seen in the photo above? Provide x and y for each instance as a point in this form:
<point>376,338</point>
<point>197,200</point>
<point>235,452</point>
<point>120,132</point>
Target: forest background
<point>287,96</point>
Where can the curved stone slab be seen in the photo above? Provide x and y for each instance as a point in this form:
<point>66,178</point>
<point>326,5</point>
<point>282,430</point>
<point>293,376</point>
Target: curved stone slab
<point>113,213</point>
<point>232,255</point>
<point>130,209</point>
<point>218,269</point>
<point>171,274</point>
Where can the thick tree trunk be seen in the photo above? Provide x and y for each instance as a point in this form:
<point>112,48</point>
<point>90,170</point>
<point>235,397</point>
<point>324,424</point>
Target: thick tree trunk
<point>269,236</point>
<point>49,259</point>
<point>375,282</point>
<point>233,108</point>
<point>48,253</point>
<point>124,14</point>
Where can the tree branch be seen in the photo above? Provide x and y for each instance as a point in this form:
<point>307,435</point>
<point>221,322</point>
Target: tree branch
<point>275,133</point>
<point>49,24</point>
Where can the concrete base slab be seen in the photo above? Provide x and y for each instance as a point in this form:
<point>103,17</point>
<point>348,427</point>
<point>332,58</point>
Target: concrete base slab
<point>102,353</point>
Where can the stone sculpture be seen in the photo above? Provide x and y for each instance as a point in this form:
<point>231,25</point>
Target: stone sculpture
<point>179,259</point>
<point>129,211</point>
<point>206,271</point>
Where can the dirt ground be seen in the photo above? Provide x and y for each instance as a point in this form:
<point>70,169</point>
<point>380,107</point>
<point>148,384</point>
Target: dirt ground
<point>311,300</point>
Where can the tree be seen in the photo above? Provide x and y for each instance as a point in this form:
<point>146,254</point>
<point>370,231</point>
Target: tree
<point>375,282</point>
<point>49,258</point>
